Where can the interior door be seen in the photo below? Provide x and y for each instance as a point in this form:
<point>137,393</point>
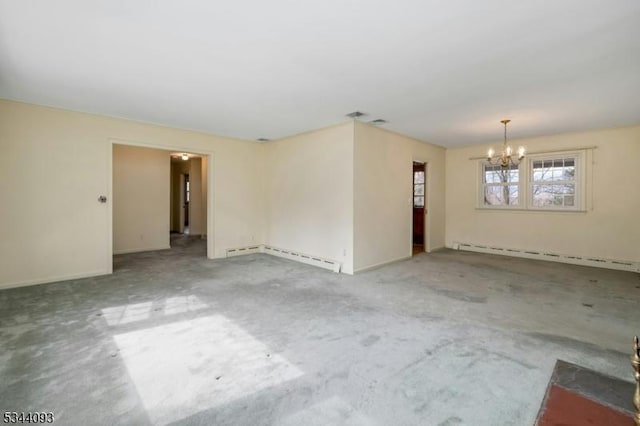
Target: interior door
<point>419,194</point>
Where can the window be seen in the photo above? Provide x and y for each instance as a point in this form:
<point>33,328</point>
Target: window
<point>540,182</point>
<point>418,189</point>
<point>501,185</point>
<point>553,183</point>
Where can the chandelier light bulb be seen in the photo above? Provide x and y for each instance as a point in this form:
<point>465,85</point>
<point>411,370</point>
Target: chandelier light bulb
<point>521,152</point>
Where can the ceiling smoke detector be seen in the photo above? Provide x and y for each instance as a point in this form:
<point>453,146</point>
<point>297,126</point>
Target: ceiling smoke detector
<point>378,121</point>
<point>355,114</point>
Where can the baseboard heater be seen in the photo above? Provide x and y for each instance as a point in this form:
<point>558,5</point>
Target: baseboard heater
<point>622,265</point>
<point>243,250</point>
<point>320,262</point>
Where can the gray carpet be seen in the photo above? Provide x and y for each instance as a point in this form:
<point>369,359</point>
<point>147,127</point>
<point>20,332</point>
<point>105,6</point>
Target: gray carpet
<point>443,339</point>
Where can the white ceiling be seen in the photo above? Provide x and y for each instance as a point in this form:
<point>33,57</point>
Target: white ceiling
<point>441,71</point>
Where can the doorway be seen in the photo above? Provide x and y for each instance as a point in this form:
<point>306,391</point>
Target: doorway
<point>184,196</point>
<point>143,192</point>
<point>419,208</point>
<point>205,176</point>
<point>188,196</point>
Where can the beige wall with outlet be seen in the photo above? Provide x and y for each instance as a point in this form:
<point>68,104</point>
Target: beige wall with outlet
<point>309,193</point>
<point>608,228</point>
<point>55,163</point>
<point>141,178</point>
<point>383,195</point>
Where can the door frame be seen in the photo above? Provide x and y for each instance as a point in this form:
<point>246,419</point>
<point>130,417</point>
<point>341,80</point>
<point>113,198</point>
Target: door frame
<point>427,206</point>
<point>210,190</point>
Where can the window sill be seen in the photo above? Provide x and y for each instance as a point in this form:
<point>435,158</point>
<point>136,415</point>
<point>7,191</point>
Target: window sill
<point>522,209</point>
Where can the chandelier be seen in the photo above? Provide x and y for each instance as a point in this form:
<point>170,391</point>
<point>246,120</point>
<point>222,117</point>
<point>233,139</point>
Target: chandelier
<point>505,158</point>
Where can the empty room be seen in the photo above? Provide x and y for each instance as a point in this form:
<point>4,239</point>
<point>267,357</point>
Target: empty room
<point>320,213</point>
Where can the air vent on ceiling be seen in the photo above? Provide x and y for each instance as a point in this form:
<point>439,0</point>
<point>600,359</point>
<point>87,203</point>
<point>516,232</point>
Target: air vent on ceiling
<point>263,140</point>
<point>378,121</point>
<point>355,114</point>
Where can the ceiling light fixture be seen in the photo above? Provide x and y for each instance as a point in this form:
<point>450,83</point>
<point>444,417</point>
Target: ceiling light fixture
<point>184,156</point>
<point>355,114</point>
<point>505,159</point>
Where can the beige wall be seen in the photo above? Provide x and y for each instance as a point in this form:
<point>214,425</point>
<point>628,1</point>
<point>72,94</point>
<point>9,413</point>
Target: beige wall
<point>140,199</point>
<point>608,229</point>
<point>383,173</point>
<point>204,176</point>
<point>55,164</point>
<point>342,193</point>
<point>197,221</point>
<point>309,193</point>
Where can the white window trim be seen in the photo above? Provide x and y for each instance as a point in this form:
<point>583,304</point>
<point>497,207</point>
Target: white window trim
<point>579,204</point>
<point>481,184</point>
<point>525,183</point>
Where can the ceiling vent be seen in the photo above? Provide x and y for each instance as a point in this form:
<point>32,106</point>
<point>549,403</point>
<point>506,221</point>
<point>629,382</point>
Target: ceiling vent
<point>378,121</point>
<point>355,114</point>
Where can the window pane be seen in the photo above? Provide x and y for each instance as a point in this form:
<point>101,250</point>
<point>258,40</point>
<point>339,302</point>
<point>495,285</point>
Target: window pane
<point>541,171</point>
<point>418,201</point>
<point>418,189</point>
<point>553,170</point>
<point>553,195</point>
<point>567,189</point>
<point>542,195</point>
<point>499,174</point>
<point>557,196</point>
<point>538,174</point>
<point>491,177</point>
<point>569,172</point>
<point>418,177</point>
<point>501,195</point>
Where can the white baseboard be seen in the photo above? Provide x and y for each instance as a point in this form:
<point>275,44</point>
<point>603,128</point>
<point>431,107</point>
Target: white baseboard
<point>621,265</point>
<point>239,251</point>
<point>287,254</point>
<point>140,250</point>
<point>436,249</point>
<point>309,259</point>
<point>378,265</point>
<point>51,280</point>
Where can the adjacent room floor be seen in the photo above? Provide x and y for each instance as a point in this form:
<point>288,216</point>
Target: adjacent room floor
<point>439,339</point>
